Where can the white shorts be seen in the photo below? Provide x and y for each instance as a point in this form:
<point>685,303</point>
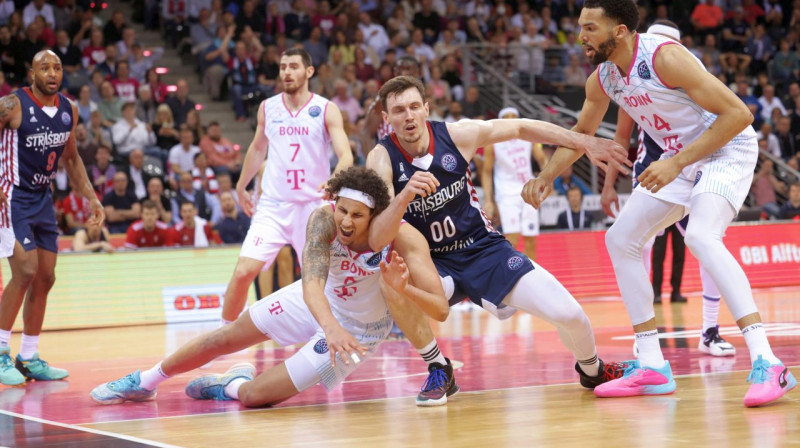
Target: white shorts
<point>284,317</point>
<point>518,217</point>
<point>727,172</point>
<point>274,225</point>
<point>7,240</point>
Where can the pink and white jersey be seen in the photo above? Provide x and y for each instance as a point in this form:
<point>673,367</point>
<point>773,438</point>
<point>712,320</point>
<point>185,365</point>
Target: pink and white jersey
<point>353,287</point>
<point>512,167</point>
<point>297,158</point>
<point>666,114</point>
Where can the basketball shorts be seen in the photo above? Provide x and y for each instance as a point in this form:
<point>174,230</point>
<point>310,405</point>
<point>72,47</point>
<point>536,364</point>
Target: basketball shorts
<point>518,217</point>
<point>485,272</point>
<point>30,219</point>
<point>285,318</point>
<point>274,225</point>
<point>728,172</point>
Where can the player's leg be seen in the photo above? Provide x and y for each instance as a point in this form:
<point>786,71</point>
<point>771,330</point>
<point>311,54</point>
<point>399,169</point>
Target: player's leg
<point>414,323</point>
<point>711,215</point>
<point>244,273</point>
<point>678,259</point>
<point>23,266</point>
<point>639,221</point>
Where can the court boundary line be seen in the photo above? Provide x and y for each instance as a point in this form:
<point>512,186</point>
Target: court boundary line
<point>89,430</point>
<point>471,392</point>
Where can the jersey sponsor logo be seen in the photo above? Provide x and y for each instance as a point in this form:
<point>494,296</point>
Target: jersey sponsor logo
<point>321,347</point>
<point>293,130</point>
<point>33,115</point>
<point>374,260</point>
<point>637,100</point>
<point>41,141</point>
<point>437,200</point>
<point>65,118</point>
<point>454,246</point>
<point>449,162</point>
<point>42,179</point>
<point>515,262</point>
<point>402,178</point>
<point>353,268</point>
<point>643,70</point>
<point>314,111</point>
<point>697,177</point>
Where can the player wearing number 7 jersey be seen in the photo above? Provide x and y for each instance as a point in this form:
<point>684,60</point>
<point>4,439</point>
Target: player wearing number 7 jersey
<point>295,131</point>
<point>425,164</point>
<point>710,152</point>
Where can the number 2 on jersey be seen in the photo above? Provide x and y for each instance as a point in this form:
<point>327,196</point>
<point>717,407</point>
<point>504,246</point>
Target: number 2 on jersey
<point>445,228</point>
<point>296,147</point>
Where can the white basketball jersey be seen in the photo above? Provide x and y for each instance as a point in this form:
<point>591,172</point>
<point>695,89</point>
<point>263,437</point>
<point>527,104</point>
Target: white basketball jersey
<point>297,158</point>
<point>512,167</point>
<point>667,114</point>
<point>353,287</point>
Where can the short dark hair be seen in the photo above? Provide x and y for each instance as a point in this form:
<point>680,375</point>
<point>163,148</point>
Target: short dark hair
<point>575,188</point>
<point>213,123</point>
<point>362,179</point>
<point>304,56</point>
<point>398,85</point>
<point>188,202</point>
<point>149,204</point>
<point>666,22</point>
<point>795,184</point>
<point>623,12</point>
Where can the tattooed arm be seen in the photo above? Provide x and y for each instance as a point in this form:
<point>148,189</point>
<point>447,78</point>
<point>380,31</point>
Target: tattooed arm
<point>10,116</point>
<point>320,232</point>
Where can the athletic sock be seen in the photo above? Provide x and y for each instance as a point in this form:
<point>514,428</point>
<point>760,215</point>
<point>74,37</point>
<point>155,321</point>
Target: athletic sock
<point>590,366</point>
<point>232,389</point>
<point>757,343</point>
<point>29,346</point>
<point>5,338</point>
<point>710,312</point>
<point>649,349</point>
<point>223,322</point>
<point>150,379</point>
<point>430,353</point>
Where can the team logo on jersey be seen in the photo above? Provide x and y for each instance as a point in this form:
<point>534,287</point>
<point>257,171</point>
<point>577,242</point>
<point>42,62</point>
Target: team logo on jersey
<point>515,262</point>
<point>449,162</point>
<point>321,347</point>
<point>643,70</point>
<point>374,260</point>
<point>314,111</point>
<point>697,177</point>
<point>65,118</point>
<point>402,178</point>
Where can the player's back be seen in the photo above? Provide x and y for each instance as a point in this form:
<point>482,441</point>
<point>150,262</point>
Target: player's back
<point>512,166</point>
<point>297,158</point>
<point>30,153</point>
<point>451,218</point>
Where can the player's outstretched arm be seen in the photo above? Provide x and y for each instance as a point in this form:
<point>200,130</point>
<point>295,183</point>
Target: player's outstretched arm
<point>256,153</point>
<point>76,171</point>
<point>677,68</point>
<point>321,230</point>
<point>421,284</point>
<point>384,227</point>
<point>339,140</point>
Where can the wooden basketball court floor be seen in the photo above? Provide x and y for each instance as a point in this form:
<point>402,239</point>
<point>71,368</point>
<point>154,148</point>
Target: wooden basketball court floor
<point>518,389</point>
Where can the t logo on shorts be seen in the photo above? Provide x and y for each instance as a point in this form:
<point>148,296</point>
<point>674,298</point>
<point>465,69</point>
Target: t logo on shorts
<point>275,308</point>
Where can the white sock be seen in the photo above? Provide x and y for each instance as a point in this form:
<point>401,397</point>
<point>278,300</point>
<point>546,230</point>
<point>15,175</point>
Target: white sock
<point>710,312</point>
<point>150,379</point>
<point>756,339</point>
<point>5,337</point>
<point>430,353</point>
<point>29,346</point>
<point>232,389</point>
<point>649,349</point>
<point>590,366</point>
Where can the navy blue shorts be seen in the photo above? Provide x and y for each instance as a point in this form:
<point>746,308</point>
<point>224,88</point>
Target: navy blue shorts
<point>487,270</point>
<point>33,219</point>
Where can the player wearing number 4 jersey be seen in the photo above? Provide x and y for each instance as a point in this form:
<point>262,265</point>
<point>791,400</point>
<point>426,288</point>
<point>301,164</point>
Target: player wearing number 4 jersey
<point>337,310</point>
<point>295,131</point>
<point>37,126</point>
<point>710,152</point>
<point>425,164</point>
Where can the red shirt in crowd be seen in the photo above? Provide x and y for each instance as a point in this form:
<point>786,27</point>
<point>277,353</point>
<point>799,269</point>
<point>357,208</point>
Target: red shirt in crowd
<point>79,206</point>
<point>139,237</point>
<point>184,236</point>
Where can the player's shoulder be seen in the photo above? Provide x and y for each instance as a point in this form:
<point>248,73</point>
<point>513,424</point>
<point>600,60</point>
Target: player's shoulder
<point>137,226</point>
<point>162,225</point>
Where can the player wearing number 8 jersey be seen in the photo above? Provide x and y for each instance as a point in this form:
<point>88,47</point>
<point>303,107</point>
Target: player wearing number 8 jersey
<point>425,163</point>
<point>710,152</point>
<point>295,132</point>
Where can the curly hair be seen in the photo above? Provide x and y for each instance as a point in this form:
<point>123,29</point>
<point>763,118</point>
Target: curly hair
<point>364,180</point>
<point>623,12</point>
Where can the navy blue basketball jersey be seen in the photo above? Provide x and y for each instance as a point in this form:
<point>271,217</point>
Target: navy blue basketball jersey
<point>648,152</point>
<point>30,154</point>
<point>451,218</point>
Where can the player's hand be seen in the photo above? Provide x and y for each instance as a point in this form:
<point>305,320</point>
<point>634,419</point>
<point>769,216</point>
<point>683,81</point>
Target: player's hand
<point>604,152</point>
<point>395,274</point>
<point>607,198</point>
<point>3,199</point>
<point>244,201</point>
<point>343,343</point>
<point>535,191</point>
<point>98,214</point>
<point>422,183</point>
<point>325,195</point>
<point>659,174</point>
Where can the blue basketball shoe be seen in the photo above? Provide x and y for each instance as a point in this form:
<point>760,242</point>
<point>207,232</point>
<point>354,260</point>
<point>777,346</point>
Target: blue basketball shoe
<point>9,375</point>
<point>39,370</point>
<point>440,384</point>
<point>127,388</point>
<point>212,387</point>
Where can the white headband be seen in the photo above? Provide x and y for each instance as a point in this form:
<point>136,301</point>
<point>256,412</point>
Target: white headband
<point>664,30</point>
<point>508,110</point>
<point>356,195</point>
